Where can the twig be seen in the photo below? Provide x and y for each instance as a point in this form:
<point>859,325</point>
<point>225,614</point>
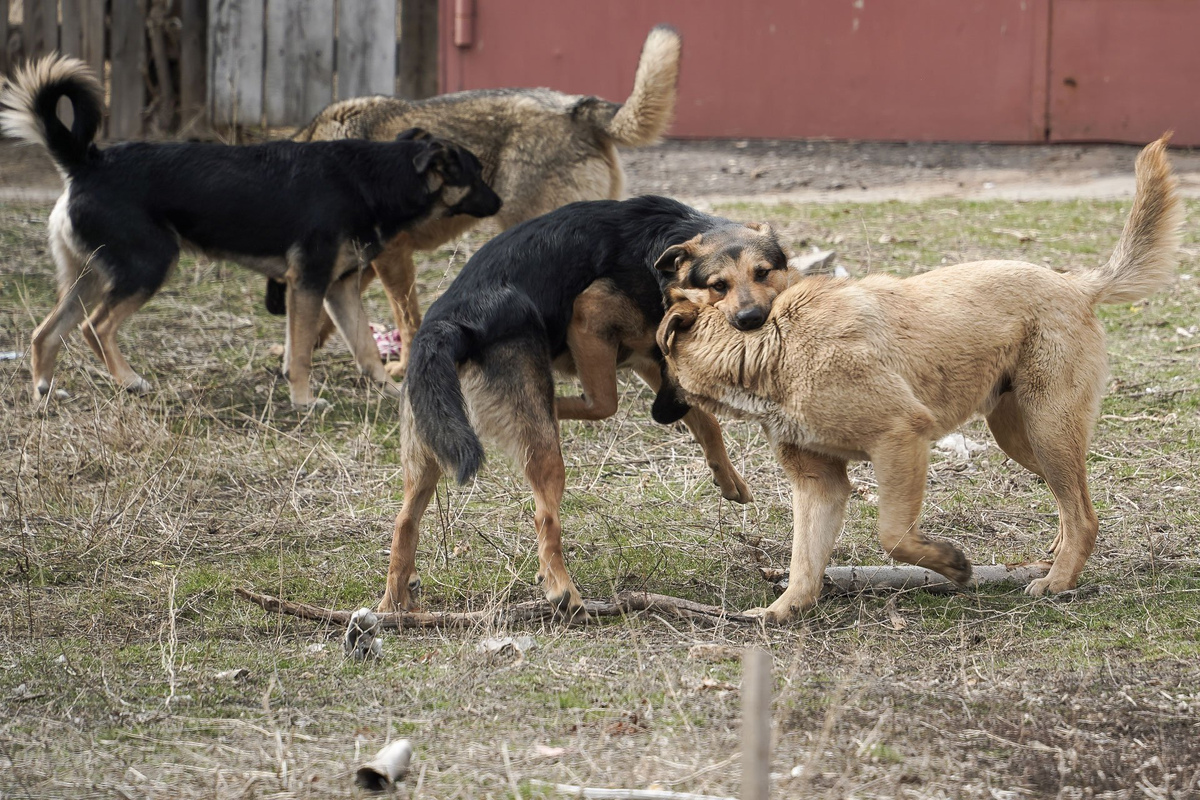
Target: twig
<point>533,611</point>
<point>625,794</point>
<point>855,580</point>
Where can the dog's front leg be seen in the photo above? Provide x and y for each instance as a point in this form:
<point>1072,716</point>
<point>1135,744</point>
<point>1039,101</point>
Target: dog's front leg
<point>707,431</point>
<point>344,303</point>
<point>596,364</point>
<point>820,490</point>
<point>303,317</point>
<point>398,273</point>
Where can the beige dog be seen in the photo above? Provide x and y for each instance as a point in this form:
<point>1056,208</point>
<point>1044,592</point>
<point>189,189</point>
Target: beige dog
<point>876,369</point>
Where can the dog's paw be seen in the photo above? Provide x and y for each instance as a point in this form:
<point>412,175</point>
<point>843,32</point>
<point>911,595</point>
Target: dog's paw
<point>316,404</point>
<point>783,610</point>
<point>396,368</point>
<point>136,384</point>
<point>735,489</point>
<point>1039,587</point>
<point>392,389</point>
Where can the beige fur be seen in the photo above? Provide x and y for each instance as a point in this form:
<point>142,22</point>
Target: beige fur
<point>878,368</point>
<point>540,150</point>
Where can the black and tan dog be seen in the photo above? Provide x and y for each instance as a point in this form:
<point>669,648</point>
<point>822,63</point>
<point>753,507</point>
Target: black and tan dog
<point>573,291</point>
<point>306,213</point>
<point>876,369</point>
<point>540,150</point>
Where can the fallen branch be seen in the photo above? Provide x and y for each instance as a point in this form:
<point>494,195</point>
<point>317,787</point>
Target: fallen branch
<point>531,611</point>
<point>625,794</point>
<point>855,580</point>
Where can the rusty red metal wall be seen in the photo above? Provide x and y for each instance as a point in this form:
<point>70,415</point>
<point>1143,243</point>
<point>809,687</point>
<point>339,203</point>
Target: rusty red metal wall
<point>889,70</point>
<point>1125,70</point>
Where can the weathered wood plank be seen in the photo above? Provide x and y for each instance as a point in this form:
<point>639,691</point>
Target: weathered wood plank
<point>235,48</point>
<point>366,53</point>
<point>93,29</point>
<point>4,65</point>
<point>70,38</point>
<point>417,70</point>
<point>128,86</point>
<point>40,28</point>
<point>299,60</point>
<point>193,65</point>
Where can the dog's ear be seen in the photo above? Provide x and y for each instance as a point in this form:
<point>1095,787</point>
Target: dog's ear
<point>673,257</point>
<point>762,227</point>
<point>434,153</point>
<point>413,135</point>
<point>681,315</point>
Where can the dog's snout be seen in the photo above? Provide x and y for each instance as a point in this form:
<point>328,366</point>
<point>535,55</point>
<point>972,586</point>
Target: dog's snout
<point>747,319</point>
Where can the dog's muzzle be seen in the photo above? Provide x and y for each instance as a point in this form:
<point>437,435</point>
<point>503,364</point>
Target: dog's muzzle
<point>749,318</point>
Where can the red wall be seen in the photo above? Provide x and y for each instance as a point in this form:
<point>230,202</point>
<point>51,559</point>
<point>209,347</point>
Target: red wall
<point>966,70</point>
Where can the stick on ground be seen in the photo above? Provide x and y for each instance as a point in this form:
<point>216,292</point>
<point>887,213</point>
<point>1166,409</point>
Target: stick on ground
<point>533,611</point>
<point>855,580</point>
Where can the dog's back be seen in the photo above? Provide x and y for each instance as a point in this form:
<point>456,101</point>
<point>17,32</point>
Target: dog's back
<point>540,148</point>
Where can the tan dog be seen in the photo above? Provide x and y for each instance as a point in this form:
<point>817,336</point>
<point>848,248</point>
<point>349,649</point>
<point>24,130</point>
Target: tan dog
<point>740,271</point>
<point>876,369</point>
<point>540,149</point>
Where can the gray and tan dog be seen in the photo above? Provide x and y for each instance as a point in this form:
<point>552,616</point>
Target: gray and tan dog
<point>876,369</point>
<point>540,150</point>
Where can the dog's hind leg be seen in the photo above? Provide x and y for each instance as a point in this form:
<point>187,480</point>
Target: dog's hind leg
<point>1009,427</point>
<point>1059,437</point>
<point>420,482</point>
<point>820,489</point>
<point>511,399</point>
<point>707,431</point>
<point>547,477</point>
<point>902,469</point>
<point>343,301</point>
<point>100,332</point>
<point>79,285</point>
<point>70,311</point>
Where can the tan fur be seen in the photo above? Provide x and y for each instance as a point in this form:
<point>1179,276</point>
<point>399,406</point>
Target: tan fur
<point>540,150</point>
<point>878,368</point>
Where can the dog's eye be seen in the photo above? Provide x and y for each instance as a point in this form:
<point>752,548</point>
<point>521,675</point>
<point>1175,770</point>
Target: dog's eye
<point>761,273</point>
<point>718,286</point>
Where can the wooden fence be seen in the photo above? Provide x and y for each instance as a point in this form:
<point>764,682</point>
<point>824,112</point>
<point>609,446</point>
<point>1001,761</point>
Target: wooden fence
<point>184,65</point>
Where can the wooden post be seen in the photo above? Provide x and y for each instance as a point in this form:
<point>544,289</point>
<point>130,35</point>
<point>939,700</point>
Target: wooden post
<point>299,60</point>
<point>193,66</point>
<point>40,28</point>
<point>128,87</point>
<point>235,47</point>
<point>756,724</point>
<point>418,57</point>
<point>4,65</point>
<point>366,51</point>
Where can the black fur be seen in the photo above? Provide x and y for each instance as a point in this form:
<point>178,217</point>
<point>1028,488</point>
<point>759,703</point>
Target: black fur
<point>134,204</point>
<point>522,285</point>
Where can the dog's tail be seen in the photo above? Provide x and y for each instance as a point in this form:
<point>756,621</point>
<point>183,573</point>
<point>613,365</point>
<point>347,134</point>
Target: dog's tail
<point>29,108</point>
<point>650,107</point>
<point>1146,254</point>
<point>436,396</point>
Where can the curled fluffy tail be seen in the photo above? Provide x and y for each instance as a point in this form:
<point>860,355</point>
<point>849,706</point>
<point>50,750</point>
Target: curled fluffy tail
<point>29,104</point>
<point>1146,254</point>
<point>434,391</point>
<point>650,107</point>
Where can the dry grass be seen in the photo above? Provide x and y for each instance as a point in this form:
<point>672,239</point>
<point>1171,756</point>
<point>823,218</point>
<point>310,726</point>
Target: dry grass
<point>124,523</point>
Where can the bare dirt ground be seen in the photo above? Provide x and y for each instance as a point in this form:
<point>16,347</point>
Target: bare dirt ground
<point>785,171</point>
<point>126,522</point>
